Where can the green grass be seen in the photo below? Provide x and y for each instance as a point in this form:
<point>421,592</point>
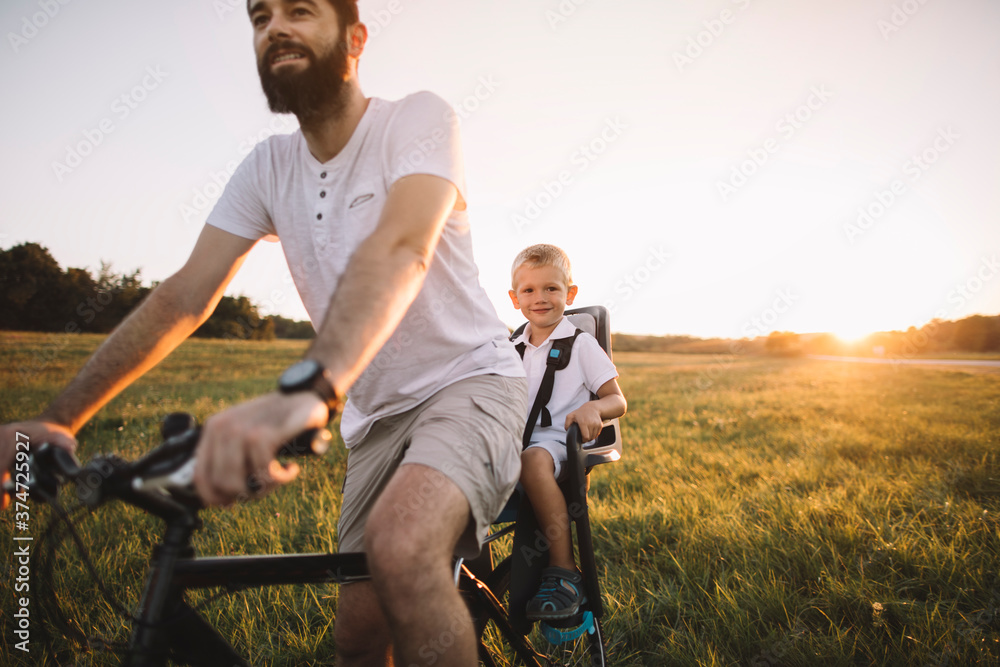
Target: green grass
<point>766,512</point>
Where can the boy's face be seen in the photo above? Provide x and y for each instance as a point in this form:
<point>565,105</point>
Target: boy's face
<point>541,294</point>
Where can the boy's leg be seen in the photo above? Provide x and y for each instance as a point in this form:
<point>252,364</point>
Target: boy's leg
<point>560,592</point>
<point>539,483</point>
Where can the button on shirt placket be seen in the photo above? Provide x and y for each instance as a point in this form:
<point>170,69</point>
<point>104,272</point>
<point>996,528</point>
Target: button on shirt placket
<point>321,221</point>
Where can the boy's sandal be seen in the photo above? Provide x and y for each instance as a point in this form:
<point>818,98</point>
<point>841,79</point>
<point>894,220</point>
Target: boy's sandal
<point>559,596</point>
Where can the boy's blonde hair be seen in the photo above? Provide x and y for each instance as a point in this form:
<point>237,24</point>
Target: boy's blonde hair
<point>542,254</point>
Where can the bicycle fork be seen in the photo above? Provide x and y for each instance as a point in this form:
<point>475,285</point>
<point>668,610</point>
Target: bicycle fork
<point>165,626</point>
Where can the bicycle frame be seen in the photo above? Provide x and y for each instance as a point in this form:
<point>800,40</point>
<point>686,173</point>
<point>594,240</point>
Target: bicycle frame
<point>165,627</point>
<point>165,623</point>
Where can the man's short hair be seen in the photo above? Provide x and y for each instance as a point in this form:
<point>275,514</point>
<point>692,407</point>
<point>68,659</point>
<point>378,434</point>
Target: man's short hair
<point>347,11</point>
<point>542,254</point>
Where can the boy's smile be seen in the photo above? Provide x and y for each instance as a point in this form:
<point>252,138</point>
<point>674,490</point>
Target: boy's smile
<point>541,294</point>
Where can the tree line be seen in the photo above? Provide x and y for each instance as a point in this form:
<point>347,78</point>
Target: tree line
<point>977,334</point>
<point>38,295</point>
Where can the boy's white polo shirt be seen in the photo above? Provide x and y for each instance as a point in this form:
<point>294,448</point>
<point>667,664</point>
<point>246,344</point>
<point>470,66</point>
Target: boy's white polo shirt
<point>589,368</point>
<point>322,212</point>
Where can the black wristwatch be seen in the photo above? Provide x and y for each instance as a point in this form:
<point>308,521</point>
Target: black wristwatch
<point>309,375</point>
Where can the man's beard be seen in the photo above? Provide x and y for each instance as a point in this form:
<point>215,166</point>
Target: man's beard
<point>317,91</point>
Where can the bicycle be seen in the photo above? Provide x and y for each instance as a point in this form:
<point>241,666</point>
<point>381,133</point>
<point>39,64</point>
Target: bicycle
<point>166,628</point>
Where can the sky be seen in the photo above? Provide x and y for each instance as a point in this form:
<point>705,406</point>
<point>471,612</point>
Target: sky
<point>719,168</point>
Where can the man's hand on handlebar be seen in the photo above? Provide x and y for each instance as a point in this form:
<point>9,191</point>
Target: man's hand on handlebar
<point>238,446</point>
<point>35,433</point>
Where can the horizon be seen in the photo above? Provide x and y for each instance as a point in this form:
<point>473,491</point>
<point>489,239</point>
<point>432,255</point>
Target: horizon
<point>758,325</point>
<point>725,169</point>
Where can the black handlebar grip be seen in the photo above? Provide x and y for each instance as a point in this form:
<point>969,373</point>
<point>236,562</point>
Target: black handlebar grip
<point>312,442</point>
<point>176,423</point>
<point>49,468</point>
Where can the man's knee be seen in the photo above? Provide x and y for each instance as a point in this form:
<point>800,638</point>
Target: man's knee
<point>399,538</point>
<point>398,551</point>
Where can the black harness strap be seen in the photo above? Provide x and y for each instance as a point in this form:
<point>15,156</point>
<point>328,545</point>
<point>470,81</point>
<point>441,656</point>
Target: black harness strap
<point>557,360</point>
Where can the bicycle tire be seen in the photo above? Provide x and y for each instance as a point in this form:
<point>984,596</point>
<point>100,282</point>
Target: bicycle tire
<point>586,651</point>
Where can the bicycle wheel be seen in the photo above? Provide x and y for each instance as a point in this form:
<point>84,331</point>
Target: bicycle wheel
<point>581,646</point>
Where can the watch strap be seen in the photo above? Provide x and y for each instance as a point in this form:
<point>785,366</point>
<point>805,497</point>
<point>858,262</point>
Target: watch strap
<point>324,388</point>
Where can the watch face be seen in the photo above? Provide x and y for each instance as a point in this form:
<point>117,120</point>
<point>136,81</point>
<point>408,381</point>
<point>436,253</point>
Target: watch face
<point>299,374</point>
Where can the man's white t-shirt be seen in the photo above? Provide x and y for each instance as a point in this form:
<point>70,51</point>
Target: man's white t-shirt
<point>588,369</point>
<point>321,212</point>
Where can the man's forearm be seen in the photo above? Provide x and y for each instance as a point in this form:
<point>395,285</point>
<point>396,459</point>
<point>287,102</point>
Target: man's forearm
<point>374,294</point>
<point>383,277</point>
<point>143,339</point>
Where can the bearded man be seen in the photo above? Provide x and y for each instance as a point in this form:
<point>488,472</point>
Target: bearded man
<point>368,201</point>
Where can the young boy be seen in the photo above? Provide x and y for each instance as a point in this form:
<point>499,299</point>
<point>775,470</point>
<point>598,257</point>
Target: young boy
<point>542,288</point>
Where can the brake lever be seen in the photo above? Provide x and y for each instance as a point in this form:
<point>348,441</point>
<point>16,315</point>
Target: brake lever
<point>312,442</point>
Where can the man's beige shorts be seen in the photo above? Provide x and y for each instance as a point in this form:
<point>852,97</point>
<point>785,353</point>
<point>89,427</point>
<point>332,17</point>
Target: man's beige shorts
<point>470,431</point>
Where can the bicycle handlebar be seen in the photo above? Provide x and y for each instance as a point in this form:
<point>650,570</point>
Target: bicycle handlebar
<point>165,471</point>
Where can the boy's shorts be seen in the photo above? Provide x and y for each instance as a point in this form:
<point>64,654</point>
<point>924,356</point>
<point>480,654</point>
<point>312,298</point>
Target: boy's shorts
<point>556,449</point>
<point>470,431</point>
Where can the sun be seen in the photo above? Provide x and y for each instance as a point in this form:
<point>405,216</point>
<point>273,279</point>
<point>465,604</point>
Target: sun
<point>850,333</point>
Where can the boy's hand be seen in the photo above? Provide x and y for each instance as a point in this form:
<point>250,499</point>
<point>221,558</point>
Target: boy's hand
<point>588,417</point>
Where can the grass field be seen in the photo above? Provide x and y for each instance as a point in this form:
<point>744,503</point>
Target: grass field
<point>766,512</point>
